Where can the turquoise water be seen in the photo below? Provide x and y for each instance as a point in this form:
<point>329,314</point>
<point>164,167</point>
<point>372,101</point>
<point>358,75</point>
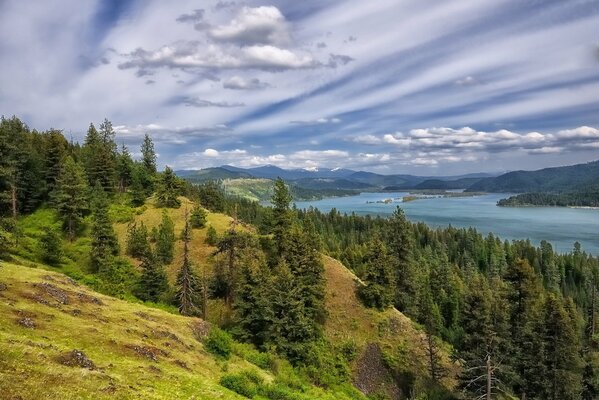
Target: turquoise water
<point>559,226</point>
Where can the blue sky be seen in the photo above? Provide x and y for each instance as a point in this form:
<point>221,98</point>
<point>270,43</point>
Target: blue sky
<point>392,86</point>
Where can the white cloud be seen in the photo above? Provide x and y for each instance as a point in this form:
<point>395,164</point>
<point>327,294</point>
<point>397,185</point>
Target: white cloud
<point>210,153</point>
<point>239,83</point>
<point>254,25</point>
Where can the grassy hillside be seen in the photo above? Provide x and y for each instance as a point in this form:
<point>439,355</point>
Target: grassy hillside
<point>142,352</point>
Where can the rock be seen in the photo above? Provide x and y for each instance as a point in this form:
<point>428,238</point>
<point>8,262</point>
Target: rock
<point>149,352</point>
<point>2,287</point>
<point>76,358</point>
<point>55,294</point>
<point>27,322</point>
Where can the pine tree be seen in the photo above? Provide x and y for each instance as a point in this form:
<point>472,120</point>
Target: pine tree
<point>290,329</point>
<point>189,287</point>
<point>141,185</point>
<point>153,282</point>
<point>253,310</point>
<point>165,240</point>
<point>104,240</point>
<point>148,155</point>
<point>379,281</point>
<point>51,247</point>
<point>198,217</point>
<point>400,242</point>
<point>124,169</point>
<point>563,364</point>
<point>281,215</point>
<point>137,241</point>
<point>99,156</point>
<point>13,158</point>
<point>55,150</point>
<point>168,189</point>
<point>70,196</point>
<point>211,236</point>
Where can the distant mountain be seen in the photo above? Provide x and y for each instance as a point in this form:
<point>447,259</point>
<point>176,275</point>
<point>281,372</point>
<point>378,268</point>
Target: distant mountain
<point>210,174</point>
<point>332,179</point>
<point>557,179</point>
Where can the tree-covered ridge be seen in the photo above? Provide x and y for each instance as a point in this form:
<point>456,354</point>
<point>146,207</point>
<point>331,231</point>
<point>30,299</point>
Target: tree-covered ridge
<point>589,197</point>
<point>559,179</point>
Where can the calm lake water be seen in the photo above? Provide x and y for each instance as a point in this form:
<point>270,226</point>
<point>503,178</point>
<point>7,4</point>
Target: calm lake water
<point>559,226</point>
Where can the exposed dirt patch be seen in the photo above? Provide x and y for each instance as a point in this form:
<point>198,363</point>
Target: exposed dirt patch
<point>161,334</point>
<point>145,316</point>
<point>50,295</point>
<point>182,365</point>
<point>76,358</point>
<point>149,352</point>
<point>155,369</point>
<point>372,375</point>
<point>3,287</point>
<point>64,280</point>
<point>200,329</point>
<point>86,298</point>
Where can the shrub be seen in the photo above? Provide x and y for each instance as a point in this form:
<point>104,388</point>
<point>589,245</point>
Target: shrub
<point>219,343</point>
<point>51,247</point>
<point>260,359</point>
<point>211,236</point>
<point>240,384</point>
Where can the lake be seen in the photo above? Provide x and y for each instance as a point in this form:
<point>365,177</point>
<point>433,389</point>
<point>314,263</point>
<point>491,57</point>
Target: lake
<point>559,226</point>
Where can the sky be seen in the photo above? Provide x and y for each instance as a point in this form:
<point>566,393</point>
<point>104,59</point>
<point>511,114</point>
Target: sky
<point>389,86</point>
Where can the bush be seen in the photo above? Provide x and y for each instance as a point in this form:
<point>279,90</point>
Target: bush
<point>279,392</point>
<point>260,359</point>
<point>219,343</point>
<point>211,236</point>
<point>240,384</point>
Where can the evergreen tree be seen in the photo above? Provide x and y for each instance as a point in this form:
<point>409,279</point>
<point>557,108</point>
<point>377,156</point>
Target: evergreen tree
<point>55,150</point>
<point>13,158</point>
<point>400,242</point>
<point>141,185</point>
<point>211,236</point>
<point>561,352</point>
<point>51,247</point>
<point>378,290</point>
<point>198,217</point>
<point>290,329</point>
<point>168,190</point>
<point>69,196</point>
<point>165,240</point>
<point>124,169</point>
<point>148,155</point>
<point>189,288</point>
<point>281,215</point>
<point>137,241</point>
<point>104,241</point>
<point>253,311</point>
<point>99,155</point>
<point>153,282</point>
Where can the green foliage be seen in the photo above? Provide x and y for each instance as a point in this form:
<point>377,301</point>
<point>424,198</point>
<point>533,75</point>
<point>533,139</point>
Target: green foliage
<point>124,169</point>
<point>379,280</point>
<point>198,217</point>
<point>165,240</point>
<point>211,196</point>
<point>148,155</point>
<point>117,277</point>
<point>51,247</point>
<point>70,196</point>
<point>104,240</point>
<point>281,215</point>
<point>219,343</point>
<point>168,189</point>
<point>263,360</point>
<point>142,183</point>
<point>189,286</point>
<point>242,384</point>
<point>211,236</point>
<point>153,283</point>
<point>137,241</point>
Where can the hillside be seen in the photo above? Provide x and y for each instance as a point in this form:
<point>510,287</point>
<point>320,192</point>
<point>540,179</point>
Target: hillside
<point>557,179</point>
<point>139,352</point>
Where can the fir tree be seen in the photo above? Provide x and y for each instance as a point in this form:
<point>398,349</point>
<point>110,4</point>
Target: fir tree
<point>148,155</point>
<point>124,169</point>
<point>69,196</point>
<point>51,247</point>
<point>281,215</point>
<point>211,236</point>
<point>189,287</point>
<point>153,282</point>
<point>378,289</point>
<point>399,238</point>
<point>168,190</point>
<point>165,240</point>
<point>563,364</point>
<point>198,217</point>
<point>137,241</point>
<point>104,241</point>
<point>141,185</point>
